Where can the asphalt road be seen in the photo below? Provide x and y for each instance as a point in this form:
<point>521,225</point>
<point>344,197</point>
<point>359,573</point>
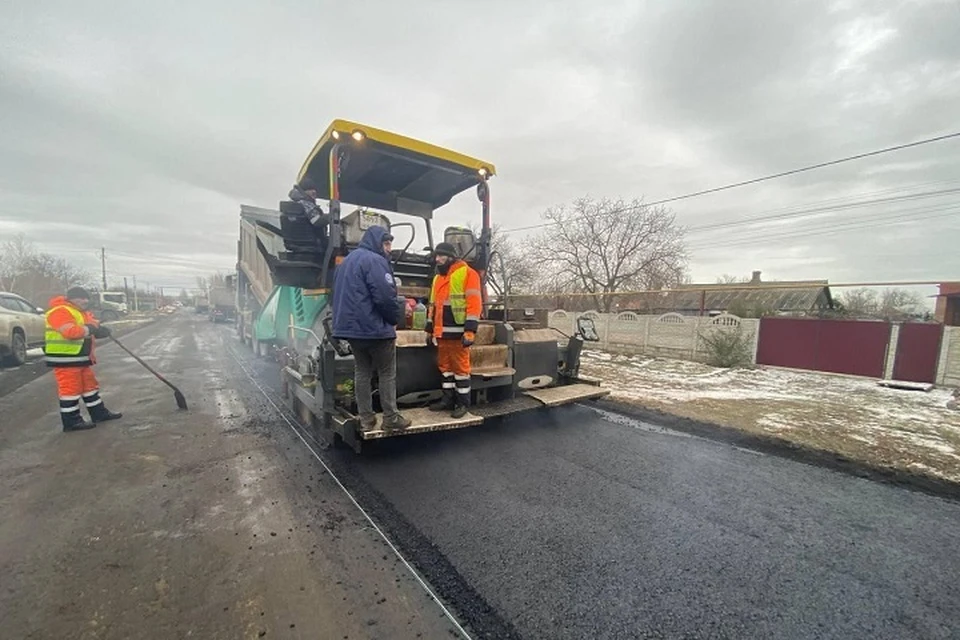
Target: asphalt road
<point>559,524</point>
<point>209,523</point>
<point>578,523</point>
<point>575,524</point>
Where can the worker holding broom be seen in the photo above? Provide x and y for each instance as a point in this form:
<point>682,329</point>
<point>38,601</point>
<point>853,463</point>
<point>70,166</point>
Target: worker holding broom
<point>453,319</point>
<point>71,332</point>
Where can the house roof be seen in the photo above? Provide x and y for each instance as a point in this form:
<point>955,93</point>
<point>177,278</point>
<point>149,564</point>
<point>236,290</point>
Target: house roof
<point>779,296</point>
<point>786,297</point>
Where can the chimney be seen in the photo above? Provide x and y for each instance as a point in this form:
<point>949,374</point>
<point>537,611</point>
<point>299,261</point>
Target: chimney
<point>756,278</point>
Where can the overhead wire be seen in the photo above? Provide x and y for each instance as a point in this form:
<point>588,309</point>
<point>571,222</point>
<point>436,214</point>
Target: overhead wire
<point>905,215</point>
<point>883,222</point>
<point>813,211</point>
<point>773,176</point>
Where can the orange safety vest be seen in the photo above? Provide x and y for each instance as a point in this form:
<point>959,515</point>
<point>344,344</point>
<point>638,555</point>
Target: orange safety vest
<point>456,302</point>
<point>67,341</point>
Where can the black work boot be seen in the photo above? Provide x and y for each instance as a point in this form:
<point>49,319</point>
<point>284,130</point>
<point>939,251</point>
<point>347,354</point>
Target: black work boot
<point>73,421</point>
<point>461,405</point>
<point>100,413</point>
<point>446,403</point>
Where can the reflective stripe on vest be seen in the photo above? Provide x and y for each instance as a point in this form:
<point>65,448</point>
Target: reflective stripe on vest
<point>458,295</point>
<point>58,348</point>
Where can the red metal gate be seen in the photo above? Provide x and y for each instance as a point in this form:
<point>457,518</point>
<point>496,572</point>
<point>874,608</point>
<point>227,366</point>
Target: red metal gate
<point>838,346</point>
<point>918,352</point>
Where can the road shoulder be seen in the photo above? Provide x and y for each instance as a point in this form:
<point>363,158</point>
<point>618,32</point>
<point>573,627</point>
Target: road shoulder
<point>171,524</point>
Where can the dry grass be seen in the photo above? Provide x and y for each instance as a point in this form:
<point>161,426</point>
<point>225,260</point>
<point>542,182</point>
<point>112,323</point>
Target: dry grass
<point>905,430</point>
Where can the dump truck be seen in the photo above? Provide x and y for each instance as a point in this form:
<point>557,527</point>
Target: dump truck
<point>285,284</point>
<point>222,304</point>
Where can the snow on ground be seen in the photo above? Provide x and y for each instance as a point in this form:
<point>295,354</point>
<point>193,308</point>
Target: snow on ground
<point>910,430</point>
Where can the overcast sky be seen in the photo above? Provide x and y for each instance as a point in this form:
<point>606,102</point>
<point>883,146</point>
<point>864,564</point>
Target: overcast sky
<point>141,128</point>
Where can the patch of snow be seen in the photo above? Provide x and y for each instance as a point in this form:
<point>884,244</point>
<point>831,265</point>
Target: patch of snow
<point>627,421</point>
<point>809,405</point>
<point>776,422</point>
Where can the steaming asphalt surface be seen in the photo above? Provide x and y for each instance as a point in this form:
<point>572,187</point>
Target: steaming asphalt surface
<point>576,523</point>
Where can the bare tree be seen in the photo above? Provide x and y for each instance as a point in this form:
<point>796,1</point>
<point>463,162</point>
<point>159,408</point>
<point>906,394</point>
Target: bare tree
<point>891,304</point>
<point>900,304</point>
<point>859,303</point>
<point>732,279</point>
<point>512,269</point>
<point>602,247</point>
<point>15,255</point>
<point>35,275</point>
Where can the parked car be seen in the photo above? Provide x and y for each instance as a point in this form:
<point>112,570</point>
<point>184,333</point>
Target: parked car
<point>22,326</point>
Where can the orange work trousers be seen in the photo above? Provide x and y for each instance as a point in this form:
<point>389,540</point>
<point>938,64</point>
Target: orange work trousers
<point>74,384</point>
<point>453,360</point>
<point>453,357</point>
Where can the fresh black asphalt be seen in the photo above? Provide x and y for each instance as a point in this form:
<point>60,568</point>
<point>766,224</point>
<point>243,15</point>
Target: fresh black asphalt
<point>581,523</point>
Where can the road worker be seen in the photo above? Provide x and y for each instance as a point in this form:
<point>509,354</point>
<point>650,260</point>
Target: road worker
<point>453,318</point>
<point>69,349</point>
<point>305,194</point>
<point>365,314</point>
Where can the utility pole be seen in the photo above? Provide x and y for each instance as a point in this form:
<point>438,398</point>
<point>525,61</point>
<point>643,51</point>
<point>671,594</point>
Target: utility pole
<point>136,298</point>
<point>103,266</point>
<point>126,291</point>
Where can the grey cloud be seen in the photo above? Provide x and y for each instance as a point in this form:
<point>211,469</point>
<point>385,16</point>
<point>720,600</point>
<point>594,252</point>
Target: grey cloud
<point>144,127</point>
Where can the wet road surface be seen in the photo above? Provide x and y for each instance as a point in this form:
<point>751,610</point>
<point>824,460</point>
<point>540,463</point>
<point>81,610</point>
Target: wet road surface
<point>571,523</point>
<point>209,523</point>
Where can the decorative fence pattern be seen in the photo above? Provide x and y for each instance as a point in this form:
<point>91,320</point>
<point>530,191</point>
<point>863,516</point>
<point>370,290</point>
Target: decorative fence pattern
<point>670,335</point>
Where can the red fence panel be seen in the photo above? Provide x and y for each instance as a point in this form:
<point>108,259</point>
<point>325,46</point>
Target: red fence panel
<point>788,342</point>
<point>854,347</point>
<point>838,346</point>
<point>918,352</point>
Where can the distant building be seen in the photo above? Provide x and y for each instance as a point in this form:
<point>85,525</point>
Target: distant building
<point>805,297</point>
<point>948,304</point>
<point>796,297</point>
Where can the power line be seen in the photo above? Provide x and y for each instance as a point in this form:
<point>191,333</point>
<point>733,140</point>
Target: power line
<point>774,232</point>
<point>774,176</point>
<point>816,210</point>
<point>883,222</point>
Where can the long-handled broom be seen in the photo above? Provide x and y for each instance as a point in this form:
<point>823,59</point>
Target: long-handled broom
<point>181,401</point>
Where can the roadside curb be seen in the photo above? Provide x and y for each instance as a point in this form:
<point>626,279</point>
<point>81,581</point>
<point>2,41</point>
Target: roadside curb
<point>782,448</point>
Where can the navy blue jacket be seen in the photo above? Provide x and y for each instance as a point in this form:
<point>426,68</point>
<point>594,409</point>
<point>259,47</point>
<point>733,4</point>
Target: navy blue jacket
<point>364,294</point>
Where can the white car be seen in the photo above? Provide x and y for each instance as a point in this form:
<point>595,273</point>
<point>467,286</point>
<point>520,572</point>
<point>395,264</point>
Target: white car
<point>22,326</point>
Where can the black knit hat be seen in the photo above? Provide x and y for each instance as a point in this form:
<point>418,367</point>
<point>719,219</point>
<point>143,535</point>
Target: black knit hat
<point>307,184</point>
<point>446,249</point>
<point>77,293</point>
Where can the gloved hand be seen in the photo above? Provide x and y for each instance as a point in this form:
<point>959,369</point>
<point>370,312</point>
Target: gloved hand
<point>429,329</point>
<point>101,333</point>
<point>467,340</point>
